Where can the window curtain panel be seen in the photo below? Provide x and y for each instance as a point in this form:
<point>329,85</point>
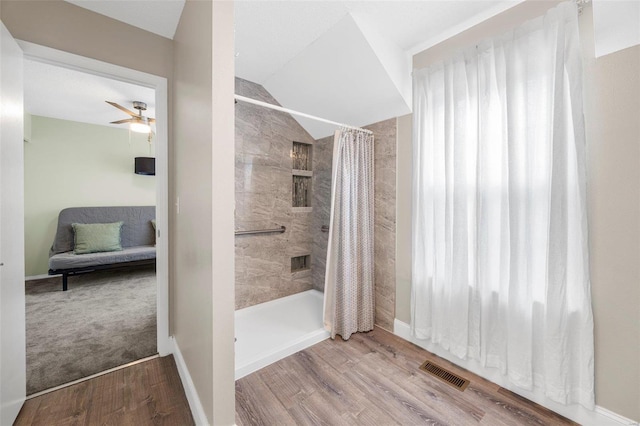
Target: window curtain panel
<point>349,305</point>
<point>500,250</point>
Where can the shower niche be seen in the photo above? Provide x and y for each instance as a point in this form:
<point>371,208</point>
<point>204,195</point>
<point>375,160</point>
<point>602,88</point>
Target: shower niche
<point>301,195</point>
<point>301,263</point>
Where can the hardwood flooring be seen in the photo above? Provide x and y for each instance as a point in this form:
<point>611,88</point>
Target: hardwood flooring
<point>149,393</point>
<point>374,379</point>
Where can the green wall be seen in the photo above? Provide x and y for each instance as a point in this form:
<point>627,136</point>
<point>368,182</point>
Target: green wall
<point>71,164</point>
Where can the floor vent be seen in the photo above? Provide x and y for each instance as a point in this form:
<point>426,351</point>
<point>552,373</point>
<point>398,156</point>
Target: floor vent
<point>445,375</point>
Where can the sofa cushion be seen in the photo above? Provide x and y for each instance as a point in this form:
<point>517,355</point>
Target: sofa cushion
<point>96,237</point>
<point>70,260</point>
<point>135,231</point>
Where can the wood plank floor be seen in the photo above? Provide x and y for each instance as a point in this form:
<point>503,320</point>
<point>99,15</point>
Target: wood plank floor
<point>149,393</point>
<point>373,379</point>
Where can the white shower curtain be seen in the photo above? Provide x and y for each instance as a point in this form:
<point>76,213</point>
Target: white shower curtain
<point>349,280</point>
<point>500,261</point>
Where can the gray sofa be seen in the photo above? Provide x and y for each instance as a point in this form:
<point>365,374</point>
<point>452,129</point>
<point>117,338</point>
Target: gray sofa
<point>137,239</point>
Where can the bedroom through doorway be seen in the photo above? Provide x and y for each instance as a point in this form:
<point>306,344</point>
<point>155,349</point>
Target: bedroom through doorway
<point>83,174</point>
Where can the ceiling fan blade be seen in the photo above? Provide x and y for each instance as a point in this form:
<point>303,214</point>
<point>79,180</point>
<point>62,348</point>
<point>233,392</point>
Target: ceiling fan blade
<point>127,120</point>
<point>120,107</point>
<point>152,120</point>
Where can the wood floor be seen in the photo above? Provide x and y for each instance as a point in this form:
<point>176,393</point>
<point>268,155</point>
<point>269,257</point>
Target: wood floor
<point>373,379</point>
<point>149,393</point>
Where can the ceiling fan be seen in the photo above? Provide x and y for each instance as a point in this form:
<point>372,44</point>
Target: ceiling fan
<point>138,122</point>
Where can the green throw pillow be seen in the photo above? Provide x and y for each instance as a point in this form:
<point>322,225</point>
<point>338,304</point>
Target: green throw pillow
<point>96,237</point>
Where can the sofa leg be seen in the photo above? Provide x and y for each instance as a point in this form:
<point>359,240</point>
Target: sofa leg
<point>64,282</point>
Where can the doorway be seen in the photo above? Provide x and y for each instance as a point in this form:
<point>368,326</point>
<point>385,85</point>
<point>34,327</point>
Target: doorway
<point>158,87</point>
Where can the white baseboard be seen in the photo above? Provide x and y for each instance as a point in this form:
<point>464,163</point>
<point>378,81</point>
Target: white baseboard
<point>599,417</point>
<point>615,416</point>
<point>40,277</point>
<point>197,411</point>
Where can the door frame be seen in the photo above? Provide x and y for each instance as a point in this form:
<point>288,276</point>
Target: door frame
<point>159,84</point>
<point>12,296</point>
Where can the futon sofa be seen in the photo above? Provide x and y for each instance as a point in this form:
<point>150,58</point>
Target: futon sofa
<point>136,245</point>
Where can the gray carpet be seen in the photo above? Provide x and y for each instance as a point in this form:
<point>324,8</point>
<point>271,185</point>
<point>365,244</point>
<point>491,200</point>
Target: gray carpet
<point>104,320</point>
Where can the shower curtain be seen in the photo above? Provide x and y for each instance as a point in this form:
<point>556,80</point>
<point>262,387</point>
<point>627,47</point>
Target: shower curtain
<point>500,246</point>
<point>349,280</point>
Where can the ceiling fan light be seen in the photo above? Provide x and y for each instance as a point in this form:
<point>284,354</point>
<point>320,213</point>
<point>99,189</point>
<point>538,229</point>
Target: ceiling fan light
<point>140,127</point>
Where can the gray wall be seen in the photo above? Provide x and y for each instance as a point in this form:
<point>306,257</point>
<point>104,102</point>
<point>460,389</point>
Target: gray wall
<point>263,165</point>
<point>202,231</point>
<point>612,117</point>
<point>191,233</point>
<point>612,108</point>
<point>403,217</point>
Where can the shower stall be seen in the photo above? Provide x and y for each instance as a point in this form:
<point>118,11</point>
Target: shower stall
<point>282,219</point>
<point>283,186</point>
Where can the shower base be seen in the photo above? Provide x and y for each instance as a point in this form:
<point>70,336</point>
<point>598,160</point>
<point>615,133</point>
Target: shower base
<point>273,330</point>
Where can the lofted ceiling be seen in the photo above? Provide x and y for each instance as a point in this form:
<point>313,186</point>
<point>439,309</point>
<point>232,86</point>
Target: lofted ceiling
<point>156,16</point>
<point>346,61</point>
<point>271,33</point>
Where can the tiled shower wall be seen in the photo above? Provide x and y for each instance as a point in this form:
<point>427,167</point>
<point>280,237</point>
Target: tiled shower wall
<point>385,221</point>
<point>385,215</point>
<point>263,143</point>
<point>322,160</point>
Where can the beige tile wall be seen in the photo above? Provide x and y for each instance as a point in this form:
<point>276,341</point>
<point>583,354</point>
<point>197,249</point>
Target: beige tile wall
<point>263,140</point>
<point>385,221</point>
<point>322,161</point>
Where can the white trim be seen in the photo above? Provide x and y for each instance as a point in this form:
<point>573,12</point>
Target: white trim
<point>93,376</point>
<point>577,413</point>
<point>41,277</point>
<point>162,217</point>
<point>197,411</point>
<point>159,84</point>
<point>461,27</point>
<point>615,416</point>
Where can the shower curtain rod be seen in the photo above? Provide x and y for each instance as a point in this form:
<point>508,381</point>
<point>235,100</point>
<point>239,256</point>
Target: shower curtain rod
<point>301,114</point>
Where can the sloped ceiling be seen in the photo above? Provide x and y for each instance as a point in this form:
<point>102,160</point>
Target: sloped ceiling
<point>616,25</point>
<point>156,16</point>
<point>342,77</point>
<point>349,62</point>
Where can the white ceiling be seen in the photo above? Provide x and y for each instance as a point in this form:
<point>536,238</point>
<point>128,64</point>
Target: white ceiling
<point>157,16</point>
<point>271,33</point>
<point>66,94</point>
<point>346,61</point>
<point>348,75</point>
<point>616,25</point>
<point>303,52</point>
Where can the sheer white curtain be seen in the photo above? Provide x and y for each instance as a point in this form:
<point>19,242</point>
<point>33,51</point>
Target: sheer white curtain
<point>349,289</point>
<point>500,261</point>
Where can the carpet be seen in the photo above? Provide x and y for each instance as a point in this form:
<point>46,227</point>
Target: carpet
<point>104,320</point>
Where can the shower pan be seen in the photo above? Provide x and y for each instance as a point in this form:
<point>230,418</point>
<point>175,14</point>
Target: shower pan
<point>273,330</point>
